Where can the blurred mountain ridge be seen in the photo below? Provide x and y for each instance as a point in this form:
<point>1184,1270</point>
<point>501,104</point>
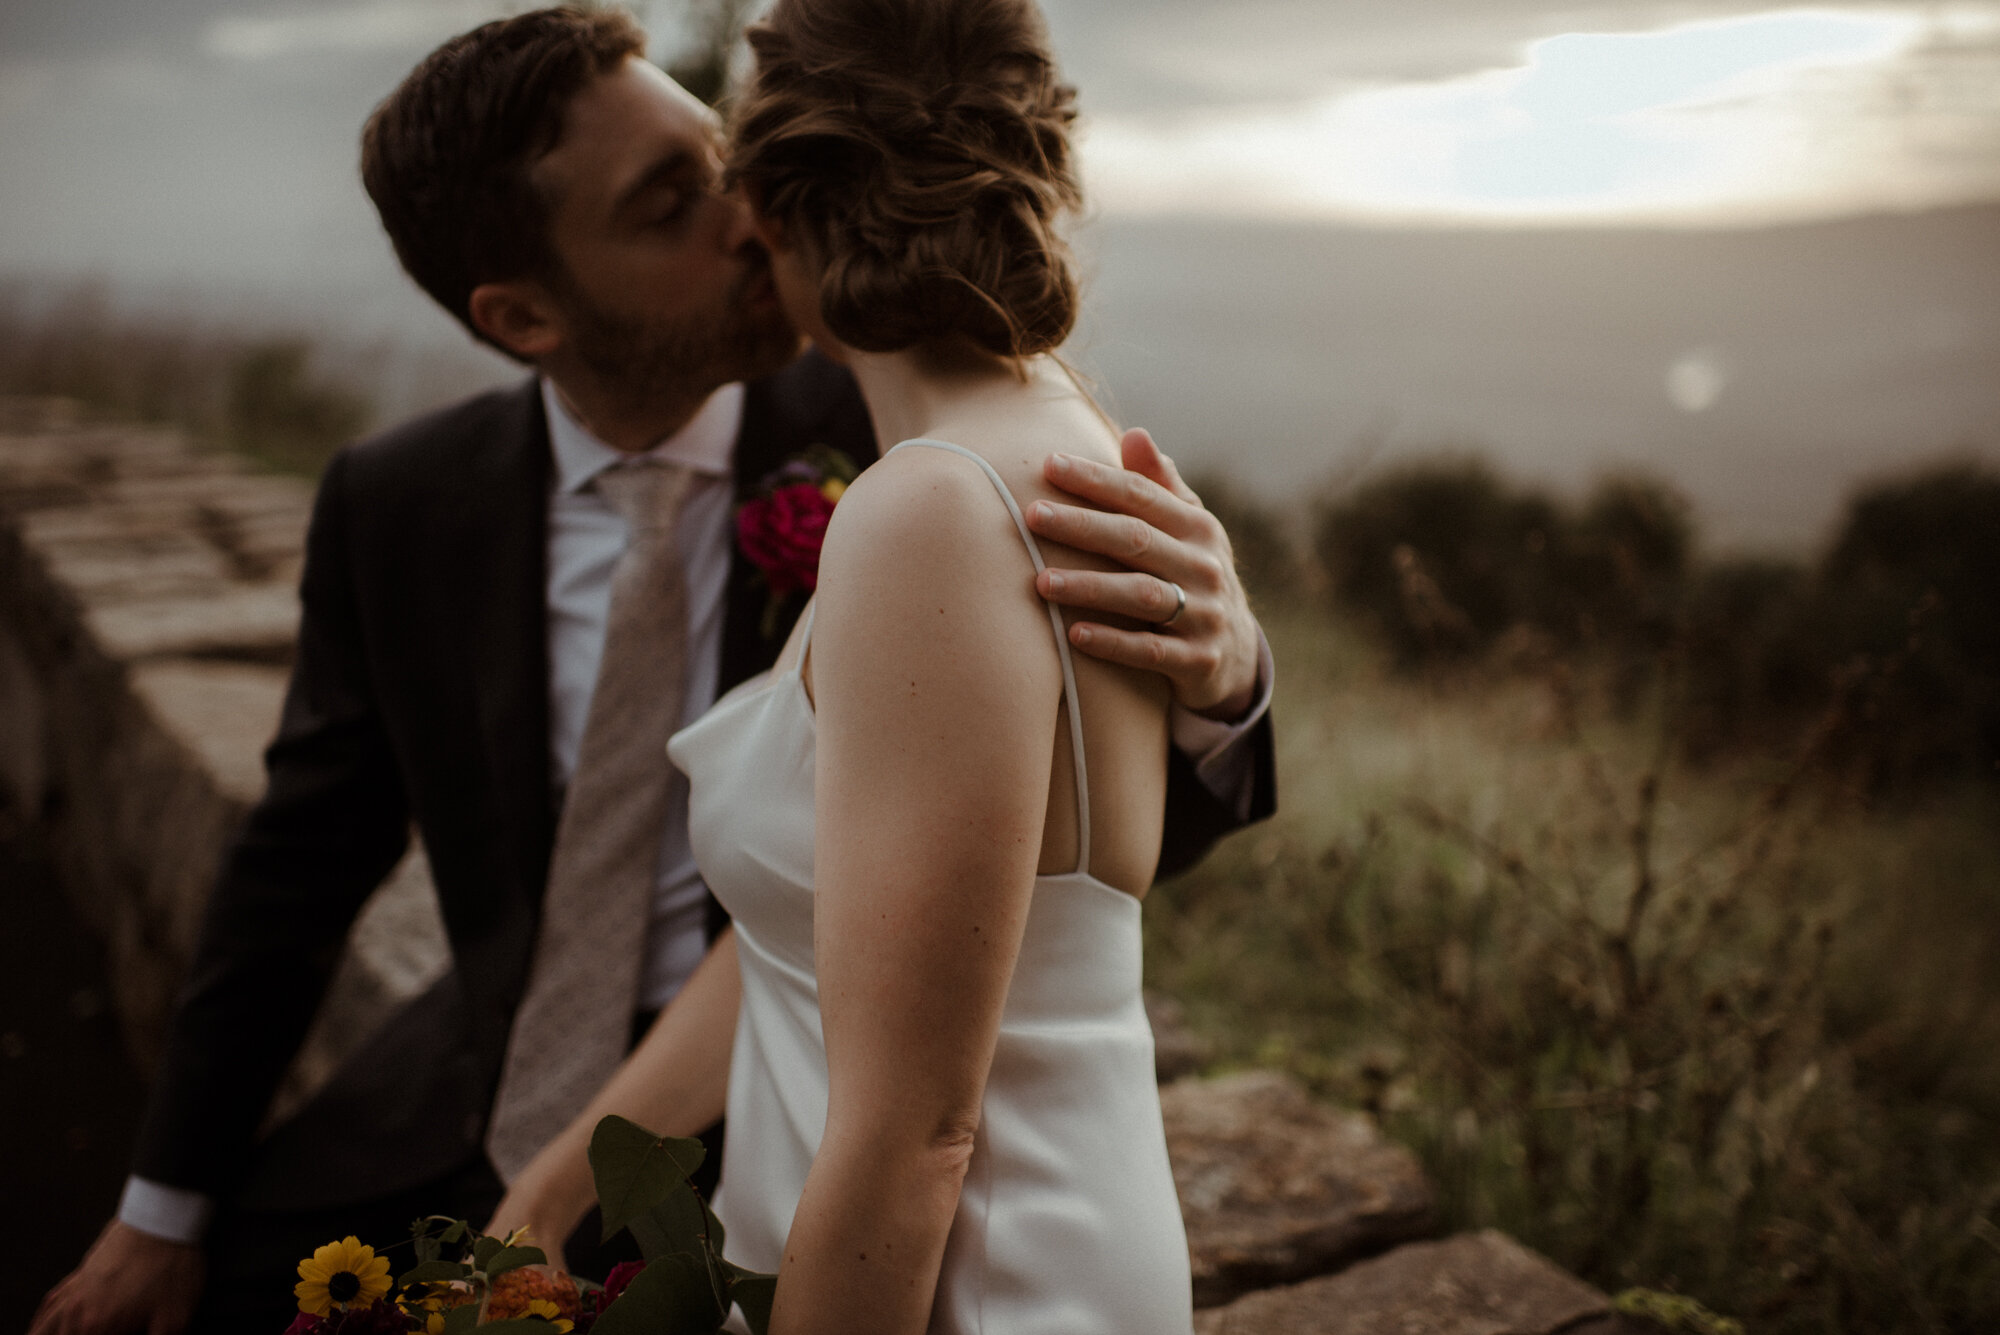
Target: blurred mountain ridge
<point>1763,371</point>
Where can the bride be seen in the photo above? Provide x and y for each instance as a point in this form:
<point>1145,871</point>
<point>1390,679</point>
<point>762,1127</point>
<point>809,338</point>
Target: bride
<point>931,823</point>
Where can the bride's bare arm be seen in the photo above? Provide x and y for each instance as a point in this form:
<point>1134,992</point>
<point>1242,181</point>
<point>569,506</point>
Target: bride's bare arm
<point>935,682</point>
<point>675,1082</point>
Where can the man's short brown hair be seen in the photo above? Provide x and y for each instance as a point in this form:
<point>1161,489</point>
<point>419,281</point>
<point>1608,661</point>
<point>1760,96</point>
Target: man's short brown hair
<point>447,156</point>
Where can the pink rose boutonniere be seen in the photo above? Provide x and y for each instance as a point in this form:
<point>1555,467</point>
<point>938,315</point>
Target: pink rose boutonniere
<point>781,529</point>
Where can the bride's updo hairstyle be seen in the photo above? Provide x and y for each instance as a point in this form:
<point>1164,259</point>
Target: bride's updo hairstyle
<point>918,152</point>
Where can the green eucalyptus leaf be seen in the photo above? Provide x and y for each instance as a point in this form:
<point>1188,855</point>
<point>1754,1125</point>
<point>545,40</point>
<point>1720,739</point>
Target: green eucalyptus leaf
<point>753,1293</point>
<point>672,1227</point>
<point>434,1272</point>
<point>429,1234</point>
<point>513,1258</point>
<point>671,1296</point>
<point>683,1216</point>
<point>484,1250</point>
<point>652,1239</point>
<point>458,1231</point>
<point>636,1170</point>
<point>461,1320</point>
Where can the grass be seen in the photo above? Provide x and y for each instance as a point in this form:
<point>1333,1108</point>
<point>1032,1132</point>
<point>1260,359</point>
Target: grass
<point>281,397</point>
<point>1727,1032</point>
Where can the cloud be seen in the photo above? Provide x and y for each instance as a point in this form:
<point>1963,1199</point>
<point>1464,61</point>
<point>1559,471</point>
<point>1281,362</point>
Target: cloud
<point>1173,56</point>
<point>1779,114</point>
<point>382,26</point>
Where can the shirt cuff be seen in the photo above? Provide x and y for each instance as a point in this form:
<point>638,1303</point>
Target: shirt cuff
<point>1216,749</point>
<point>172,1214</point>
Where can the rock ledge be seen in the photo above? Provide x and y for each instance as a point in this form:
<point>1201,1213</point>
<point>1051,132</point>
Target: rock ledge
<point>1275,1187</point>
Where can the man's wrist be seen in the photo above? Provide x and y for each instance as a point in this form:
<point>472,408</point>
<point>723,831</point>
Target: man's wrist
<point>1204,733</point>
<point>171,1214</point>
<point>1240,706</point>
<point>1234,709</point>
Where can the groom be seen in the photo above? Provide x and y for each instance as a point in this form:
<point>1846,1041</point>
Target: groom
<point>559,196</point>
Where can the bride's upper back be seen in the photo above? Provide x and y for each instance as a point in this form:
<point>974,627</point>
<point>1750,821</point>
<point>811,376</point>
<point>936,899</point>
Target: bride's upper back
<point>939,510</point>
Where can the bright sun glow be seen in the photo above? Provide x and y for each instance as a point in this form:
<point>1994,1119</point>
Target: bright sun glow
<point>1774,113</point>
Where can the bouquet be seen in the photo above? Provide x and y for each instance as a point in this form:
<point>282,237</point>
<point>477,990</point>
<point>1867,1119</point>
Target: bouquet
<point>463,1280</point>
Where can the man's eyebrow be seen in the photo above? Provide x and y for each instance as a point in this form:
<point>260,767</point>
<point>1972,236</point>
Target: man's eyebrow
<point>667,171</point>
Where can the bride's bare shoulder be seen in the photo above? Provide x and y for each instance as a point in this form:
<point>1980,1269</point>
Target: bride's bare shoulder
<point>937,492</point>
<point>923,567</point>
<point>916,507</point>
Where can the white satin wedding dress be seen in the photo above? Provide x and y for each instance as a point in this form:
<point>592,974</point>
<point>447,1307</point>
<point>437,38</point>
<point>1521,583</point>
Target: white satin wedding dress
<point>1068,1223</point>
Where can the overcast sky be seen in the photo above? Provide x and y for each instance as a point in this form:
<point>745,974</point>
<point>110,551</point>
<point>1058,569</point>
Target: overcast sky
<point>200,156</point>
<point>214,140</point>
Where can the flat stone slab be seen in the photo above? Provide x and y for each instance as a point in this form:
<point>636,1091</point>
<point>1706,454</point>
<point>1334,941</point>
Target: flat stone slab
<point>1473,1284</point>
<point>92,459</point>
<point>239,620</point>
<point>225,714</point>
<point>152,571</point>
<point>1275,1187</point>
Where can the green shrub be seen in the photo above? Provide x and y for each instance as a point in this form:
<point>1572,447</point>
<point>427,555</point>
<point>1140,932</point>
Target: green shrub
<point>76,347</point>
<point>1758,656</point>
<point>1266,558</point>
<point>1892,640</point>
<point>1721,1031</point>
<point>1443,558</point>
<point>260,396</point>
<point>1913,583</point>
<point>279,412</point>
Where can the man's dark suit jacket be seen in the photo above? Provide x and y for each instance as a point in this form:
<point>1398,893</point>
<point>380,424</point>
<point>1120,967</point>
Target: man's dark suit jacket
<point>421,693</point>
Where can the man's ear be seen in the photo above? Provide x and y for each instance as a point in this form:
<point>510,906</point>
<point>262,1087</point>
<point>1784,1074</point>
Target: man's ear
<point>519,316</point>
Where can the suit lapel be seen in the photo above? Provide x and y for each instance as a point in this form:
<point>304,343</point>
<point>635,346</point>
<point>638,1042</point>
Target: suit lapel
<point>507,555</point>
<point>498,549</point>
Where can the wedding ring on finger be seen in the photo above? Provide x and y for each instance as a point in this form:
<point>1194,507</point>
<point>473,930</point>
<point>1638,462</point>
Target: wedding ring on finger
<point>1180,603</point>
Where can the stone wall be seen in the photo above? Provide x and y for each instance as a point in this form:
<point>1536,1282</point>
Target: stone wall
<point>148,608</point>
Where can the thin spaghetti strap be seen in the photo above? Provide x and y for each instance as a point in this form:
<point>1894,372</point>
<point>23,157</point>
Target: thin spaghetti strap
<point>806,635</point>
<point>1062,647</point>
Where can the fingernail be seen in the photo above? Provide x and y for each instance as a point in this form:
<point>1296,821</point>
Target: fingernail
<point>1055,582</point>
<point>1038,513</point>
<point>1081,634</point>
<point>1059,463</point>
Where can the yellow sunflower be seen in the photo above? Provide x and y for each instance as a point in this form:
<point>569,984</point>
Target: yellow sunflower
<point>550,1313</point>
<point>341,1275</point>
<point>422,1302</point>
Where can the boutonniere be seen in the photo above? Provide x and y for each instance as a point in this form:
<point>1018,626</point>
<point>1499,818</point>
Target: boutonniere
<point>782,527</point>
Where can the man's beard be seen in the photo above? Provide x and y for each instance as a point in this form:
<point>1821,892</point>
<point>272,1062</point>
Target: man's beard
<point>661,362</point>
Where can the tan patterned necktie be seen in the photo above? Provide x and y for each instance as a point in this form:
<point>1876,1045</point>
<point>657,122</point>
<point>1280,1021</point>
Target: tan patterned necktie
<point>575,1017</point>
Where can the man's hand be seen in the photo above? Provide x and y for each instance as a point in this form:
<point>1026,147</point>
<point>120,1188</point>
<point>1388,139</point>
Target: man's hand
<point>1158,528</point>
<point>513,1214</point>
<point>128,1282</point>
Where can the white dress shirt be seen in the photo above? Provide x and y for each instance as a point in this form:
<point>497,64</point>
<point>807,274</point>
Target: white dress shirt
<point>586,537</point>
